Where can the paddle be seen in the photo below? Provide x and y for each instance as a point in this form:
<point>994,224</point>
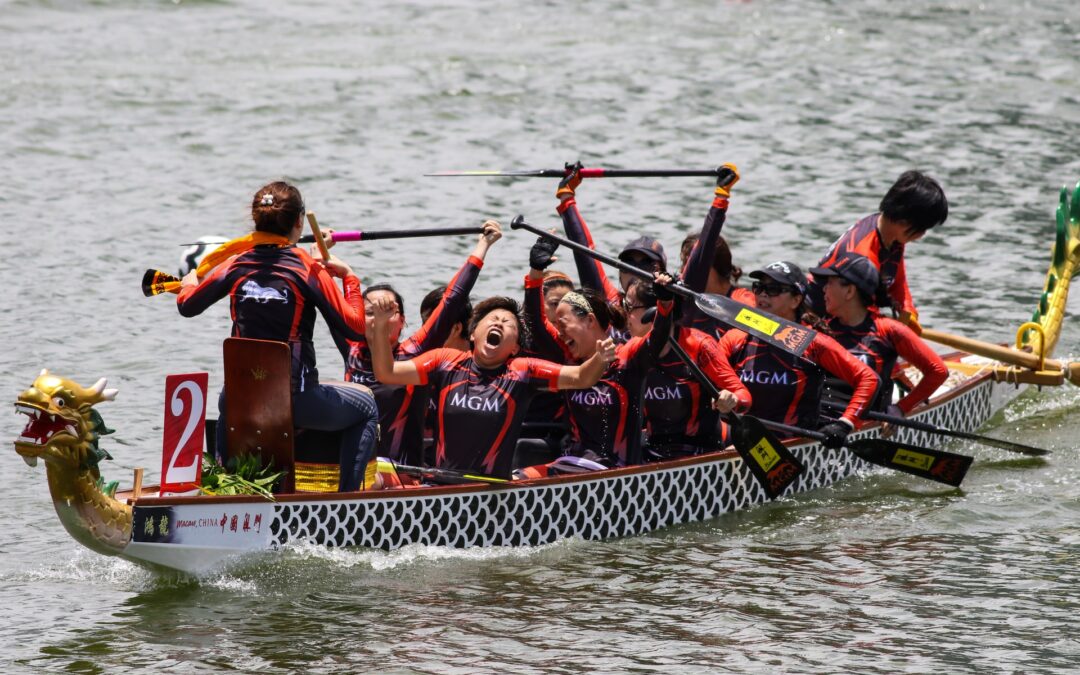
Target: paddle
<point>1004,354</point>
<point>924,426</point>
<point>447,475</point>
<point>787,335</point>
<point>936,465</point>
<point>156,282</point>
<point>365,235</point>
<point>588,173</point>
<point>770,462</point>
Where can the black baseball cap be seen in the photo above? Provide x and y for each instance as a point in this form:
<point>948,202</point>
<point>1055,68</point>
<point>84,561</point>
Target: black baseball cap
<point>647,246</point>
<point>784,272</point>
<point>853,268</point>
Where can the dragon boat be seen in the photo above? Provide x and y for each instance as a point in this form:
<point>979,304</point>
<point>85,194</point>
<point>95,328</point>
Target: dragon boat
<point>196,533</point>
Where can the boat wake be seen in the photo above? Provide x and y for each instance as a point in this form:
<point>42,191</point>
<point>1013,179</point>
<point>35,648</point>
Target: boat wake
<point>413,554</point>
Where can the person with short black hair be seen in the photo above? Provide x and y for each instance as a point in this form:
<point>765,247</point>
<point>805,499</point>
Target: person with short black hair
<point>849,287</point>
<point>914,205</point>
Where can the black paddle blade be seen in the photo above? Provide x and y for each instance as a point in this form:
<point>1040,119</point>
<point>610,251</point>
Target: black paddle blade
<point>154,282</point>
<point>770,462</point>
<point>786,335</point>
<point>936,465</point>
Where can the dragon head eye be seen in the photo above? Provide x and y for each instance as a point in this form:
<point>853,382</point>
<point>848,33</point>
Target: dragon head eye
<point>59,401</point>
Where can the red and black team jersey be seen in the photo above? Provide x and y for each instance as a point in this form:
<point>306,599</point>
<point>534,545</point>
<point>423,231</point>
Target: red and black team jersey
<point>788,389</point>
<point>479,411</point>
<point>678,412</point>
<point>402,409</point>
<point>695,274</point>
<point>590,271</point>
<point>863,238</point>
<point>877,342</point>
<point>605,420</point>
<point>274,292</point>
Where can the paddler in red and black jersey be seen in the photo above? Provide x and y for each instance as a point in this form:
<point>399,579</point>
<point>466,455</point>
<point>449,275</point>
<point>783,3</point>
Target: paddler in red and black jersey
<point>482,394</point>
<point>913,205</point>
<point>850,284</point>
<point>786,388</point>
<point>274,289</point>
<point>605,421</point>
<point>709,268</point>
<point>680,419</point>
<point>644,252</point>
<point>402,408</point>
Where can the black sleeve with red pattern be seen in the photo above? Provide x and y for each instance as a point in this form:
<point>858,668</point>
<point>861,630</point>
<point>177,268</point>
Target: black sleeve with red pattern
<point>590,270</point>
<point>437,328</point>
<point>194,300</point>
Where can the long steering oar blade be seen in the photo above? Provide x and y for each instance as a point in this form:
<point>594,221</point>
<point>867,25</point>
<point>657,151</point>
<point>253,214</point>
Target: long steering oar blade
<point>587,172</point>
<point>936,465</point>
<point>787,335</point>
<point>931,428</point>
<point>357,235</point>
<point>770,462</point>
<point>447,475</point>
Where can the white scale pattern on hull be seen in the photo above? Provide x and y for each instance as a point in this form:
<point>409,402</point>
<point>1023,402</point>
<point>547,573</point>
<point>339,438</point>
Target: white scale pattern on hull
<point>597,509</point>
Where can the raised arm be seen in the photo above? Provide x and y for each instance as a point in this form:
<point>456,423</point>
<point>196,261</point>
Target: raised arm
<point>590,271</point>
<point>445,316</point>
<point>545,337</point>
<point>696,273</point>
<point>387,370</point>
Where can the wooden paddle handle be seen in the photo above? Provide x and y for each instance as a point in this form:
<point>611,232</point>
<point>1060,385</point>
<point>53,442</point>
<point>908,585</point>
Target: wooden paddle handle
<point>1004,354</point>
<point>319,241</point>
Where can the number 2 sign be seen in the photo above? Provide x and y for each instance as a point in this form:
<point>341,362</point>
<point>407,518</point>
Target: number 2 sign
<point>185,421</point>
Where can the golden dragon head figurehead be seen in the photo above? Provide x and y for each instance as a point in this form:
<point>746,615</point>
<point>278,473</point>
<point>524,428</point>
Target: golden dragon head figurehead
<point>64,427</point>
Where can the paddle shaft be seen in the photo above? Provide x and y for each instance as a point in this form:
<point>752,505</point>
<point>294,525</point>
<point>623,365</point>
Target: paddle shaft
<point>588,172</point>
<point>1003,354</point>
<point>931,428</point>
<point>357,235</point>
<point>447,473</point>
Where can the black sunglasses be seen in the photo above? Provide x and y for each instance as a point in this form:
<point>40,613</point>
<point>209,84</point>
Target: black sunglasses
<point>771,290</point>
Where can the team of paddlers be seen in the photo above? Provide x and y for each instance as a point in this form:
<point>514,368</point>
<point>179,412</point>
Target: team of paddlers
<point>587,372</point>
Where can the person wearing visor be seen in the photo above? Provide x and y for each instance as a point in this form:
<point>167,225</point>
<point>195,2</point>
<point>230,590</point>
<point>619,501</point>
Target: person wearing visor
<point>850,284</point>
<point>913,205</point>
<point>786,388</point>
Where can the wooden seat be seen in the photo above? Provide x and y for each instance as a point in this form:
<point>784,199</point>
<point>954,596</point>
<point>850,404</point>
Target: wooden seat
<point>258,403</point>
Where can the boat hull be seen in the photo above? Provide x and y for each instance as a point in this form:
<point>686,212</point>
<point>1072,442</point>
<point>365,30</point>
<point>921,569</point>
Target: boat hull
<point>199,534</point>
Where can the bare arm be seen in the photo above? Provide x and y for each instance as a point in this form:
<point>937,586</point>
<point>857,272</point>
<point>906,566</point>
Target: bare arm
<point>589,372</point>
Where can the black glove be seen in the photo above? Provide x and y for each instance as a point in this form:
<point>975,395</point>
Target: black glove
<point>835,434</point>
<point>663,292</point>
<point>540,255</point>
